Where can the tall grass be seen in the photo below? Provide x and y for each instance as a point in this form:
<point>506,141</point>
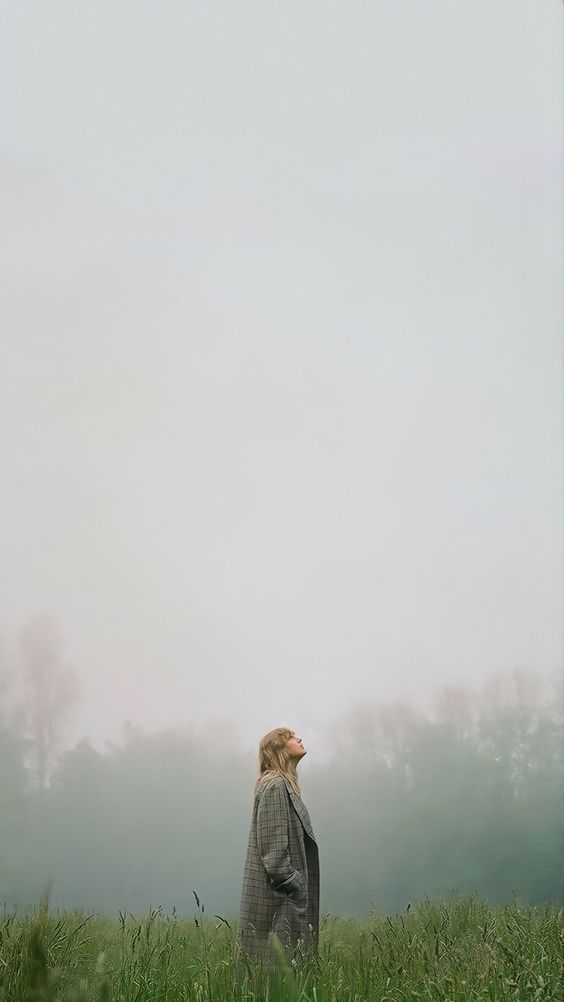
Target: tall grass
<point>455,949</point>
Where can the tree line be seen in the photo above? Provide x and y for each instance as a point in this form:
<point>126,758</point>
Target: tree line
<point>466,796</point>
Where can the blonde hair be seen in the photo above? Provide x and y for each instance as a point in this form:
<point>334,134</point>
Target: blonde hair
<point>273,760</point>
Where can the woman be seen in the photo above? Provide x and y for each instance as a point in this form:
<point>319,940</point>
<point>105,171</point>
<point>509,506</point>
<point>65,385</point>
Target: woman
<point>281,876</point>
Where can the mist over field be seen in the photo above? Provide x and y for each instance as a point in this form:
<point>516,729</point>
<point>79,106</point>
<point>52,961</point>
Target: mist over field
<point>466,797</point>
<point>280,439</point>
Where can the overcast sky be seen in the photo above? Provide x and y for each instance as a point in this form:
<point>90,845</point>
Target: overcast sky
<point>280,382</point>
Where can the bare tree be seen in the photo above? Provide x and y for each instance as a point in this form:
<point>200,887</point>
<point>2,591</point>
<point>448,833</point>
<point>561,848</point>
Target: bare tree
<point>52,687</point>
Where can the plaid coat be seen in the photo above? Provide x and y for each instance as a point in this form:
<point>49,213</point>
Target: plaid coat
<point>281,875</point>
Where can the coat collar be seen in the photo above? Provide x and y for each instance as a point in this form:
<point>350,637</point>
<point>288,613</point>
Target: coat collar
<point>300,809</point>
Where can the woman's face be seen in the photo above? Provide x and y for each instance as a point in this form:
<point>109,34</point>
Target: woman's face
<point>295,748</point>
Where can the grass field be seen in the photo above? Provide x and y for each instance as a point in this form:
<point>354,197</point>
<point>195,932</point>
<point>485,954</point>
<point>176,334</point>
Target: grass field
<point>460,948</point>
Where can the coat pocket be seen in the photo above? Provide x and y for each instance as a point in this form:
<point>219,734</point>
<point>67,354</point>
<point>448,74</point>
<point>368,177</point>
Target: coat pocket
<point>298,896</point>
<point>292,885</point>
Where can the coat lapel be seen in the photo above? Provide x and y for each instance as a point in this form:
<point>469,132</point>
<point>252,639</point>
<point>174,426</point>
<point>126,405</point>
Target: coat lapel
<point>301,810</point>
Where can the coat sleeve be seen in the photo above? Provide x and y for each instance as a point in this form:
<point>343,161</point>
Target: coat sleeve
<point>272,839</point>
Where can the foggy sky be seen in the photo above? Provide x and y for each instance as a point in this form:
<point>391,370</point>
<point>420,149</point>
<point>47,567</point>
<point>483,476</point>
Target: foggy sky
<point>280,398</point>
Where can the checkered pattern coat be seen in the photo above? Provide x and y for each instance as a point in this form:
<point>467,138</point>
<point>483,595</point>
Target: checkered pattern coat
<point>281,876</point>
